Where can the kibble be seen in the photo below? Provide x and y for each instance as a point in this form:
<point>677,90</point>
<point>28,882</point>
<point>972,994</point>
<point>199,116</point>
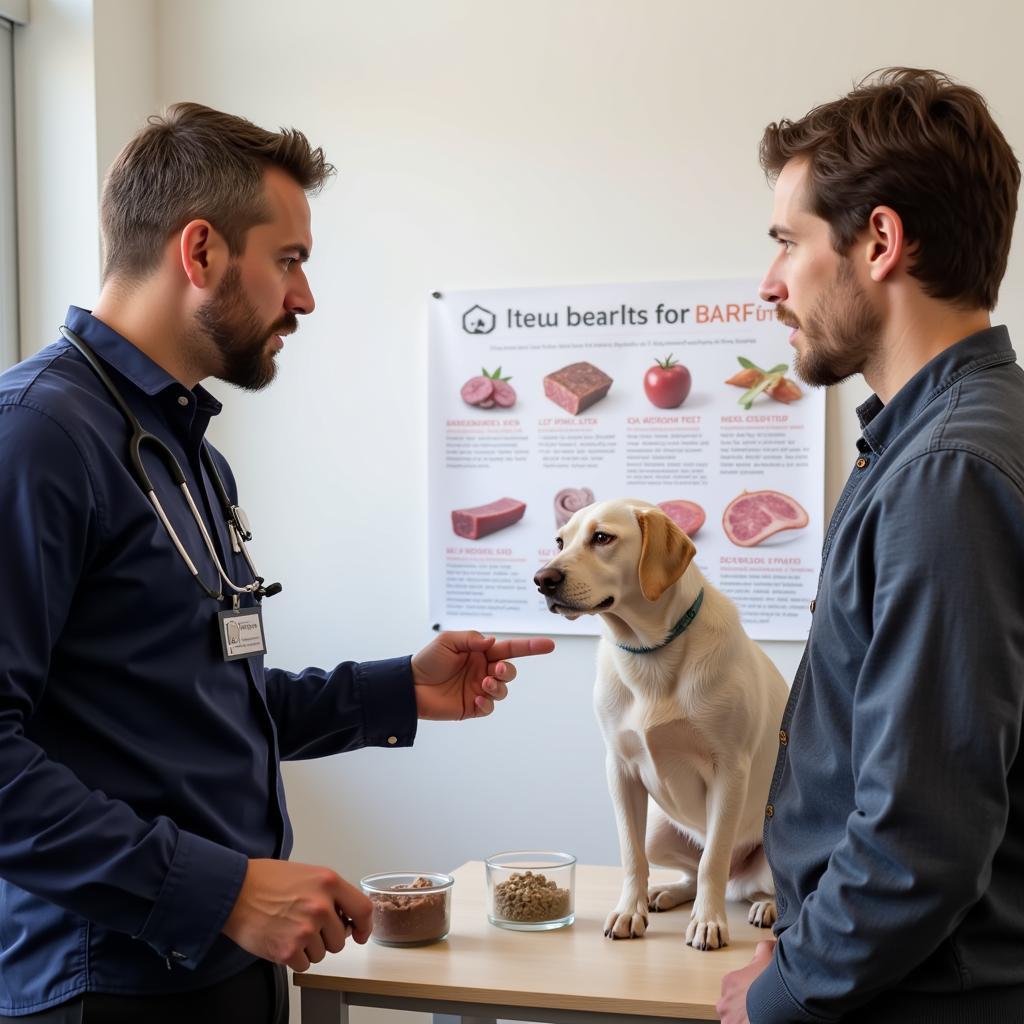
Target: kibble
<point>529,897</point>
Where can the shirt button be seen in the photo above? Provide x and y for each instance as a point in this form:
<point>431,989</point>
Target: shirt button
<point>769,811</point>
<point>182,400</point>
<point>783,737</point>
<point>392,740</point>
<point>813,604</point>
<point>862,462</point>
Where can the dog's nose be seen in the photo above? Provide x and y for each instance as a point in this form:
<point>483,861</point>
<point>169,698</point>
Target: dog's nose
<point>548,579</point>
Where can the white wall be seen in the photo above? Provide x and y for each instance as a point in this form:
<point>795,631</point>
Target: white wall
<point>479,144</point>
<point>85,80</point>
<point>125,47</point>
<point>55,138</point>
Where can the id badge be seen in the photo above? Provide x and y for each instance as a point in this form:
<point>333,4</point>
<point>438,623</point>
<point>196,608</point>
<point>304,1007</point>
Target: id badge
<point>241,633</point>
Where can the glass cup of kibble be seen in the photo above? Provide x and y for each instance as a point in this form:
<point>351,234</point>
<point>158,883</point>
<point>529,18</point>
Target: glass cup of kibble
<point>531,890</point>
<point>409,908</point>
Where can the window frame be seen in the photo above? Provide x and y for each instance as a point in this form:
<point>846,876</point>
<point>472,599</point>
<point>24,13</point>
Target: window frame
<point>9,319</point>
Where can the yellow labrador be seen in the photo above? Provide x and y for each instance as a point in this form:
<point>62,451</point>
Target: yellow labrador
<point>690,709</point>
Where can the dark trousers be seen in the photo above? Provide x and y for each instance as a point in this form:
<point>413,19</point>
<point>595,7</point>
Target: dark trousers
<point>258,995</point>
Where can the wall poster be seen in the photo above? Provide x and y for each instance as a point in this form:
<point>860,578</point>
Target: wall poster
<point>542,400</point>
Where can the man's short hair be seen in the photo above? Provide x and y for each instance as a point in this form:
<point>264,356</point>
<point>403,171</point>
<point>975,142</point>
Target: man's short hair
<point>918,142</point>
<point>194,162</point>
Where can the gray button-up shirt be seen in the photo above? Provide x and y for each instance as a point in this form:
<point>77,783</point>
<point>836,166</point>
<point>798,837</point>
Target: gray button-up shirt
<point>896,832</point>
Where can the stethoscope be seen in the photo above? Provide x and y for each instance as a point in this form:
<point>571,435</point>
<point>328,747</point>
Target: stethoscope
<point>235,518</point>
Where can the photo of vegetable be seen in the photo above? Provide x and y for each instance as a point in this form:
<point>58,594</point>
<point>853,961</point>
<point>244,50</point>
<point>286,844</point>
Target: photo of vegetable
<point>667,383</point>
<point>774,383</point>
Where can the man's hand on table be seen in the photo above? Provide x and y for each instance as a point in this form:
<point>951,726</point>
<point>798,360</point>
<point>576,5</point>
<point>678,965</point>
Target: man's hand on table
<point>295,914</point>
<point>732,1006</point>
<point>461,675</point>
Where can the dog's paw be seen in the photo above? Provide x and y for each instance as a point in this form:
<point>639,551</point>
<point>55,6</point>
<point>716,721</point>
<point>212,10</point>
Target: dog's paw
<point>763,913</point>
<point>665,897</point>
<point>708,934</point>
<point>626,925</point>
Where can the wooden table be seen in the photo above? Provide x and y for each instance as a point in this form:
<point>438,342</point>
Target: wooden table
<point>569,976</point>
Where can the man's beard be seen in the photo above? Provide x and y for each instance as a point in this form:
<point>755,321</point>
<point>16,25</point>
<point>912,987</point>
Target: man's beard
<point>842,334</point>
<point>230,322</point>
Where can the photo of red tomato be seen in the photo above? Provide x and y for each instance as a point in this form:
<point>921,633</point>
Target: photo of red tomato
<point>667,383</point>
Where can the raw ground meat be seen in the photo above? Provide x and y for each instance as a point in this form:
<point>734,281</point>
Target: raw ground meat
<point>577,386</point>
<point>687,515</point>
<point>756,515</point>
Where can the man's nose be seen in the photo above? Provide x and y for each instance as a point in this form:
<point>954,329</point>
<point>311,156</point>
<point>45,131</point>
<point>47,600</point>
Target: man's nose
<point>300,300</point>
<point>773,288</point>
<point>548,579</point>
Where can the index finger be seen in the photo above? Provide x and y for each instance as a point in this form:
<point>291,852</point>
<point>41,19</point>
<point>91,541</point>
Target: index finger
<point>354,906</point>
<point>520,647</point>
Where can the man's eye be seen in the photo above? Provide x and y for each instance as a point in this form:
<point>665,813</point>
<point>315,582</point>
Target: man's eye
<point>558,543</point>
<point>288,262</point>
<point>602,538</point>
<point>785,243</point>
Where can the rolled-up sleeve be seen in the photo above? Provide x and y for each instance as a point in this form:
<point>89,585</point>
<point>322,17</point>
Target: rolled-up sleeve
<point>937,716</point>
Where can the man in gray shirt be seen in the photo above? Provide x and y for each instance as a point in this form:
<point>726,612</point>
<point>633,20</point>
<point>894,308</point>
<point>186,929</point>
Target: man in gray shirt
<point>895,821</point>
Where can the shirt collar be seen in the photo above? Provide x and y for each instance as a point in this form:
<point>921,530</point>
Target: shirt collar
<point>883,423</point>
<point>132,363</point>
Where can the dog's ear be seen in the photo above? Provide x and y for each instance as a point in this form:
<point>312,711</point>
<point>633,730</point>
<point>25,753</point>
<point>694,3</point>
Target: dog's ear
<point>665,554</point>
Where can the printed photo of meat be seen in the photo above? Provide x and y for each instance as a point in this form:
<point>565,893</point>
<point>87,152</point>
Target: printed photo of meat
<point>754,516</point>
<point>489,390</point>
<point>577,386</point>
<point>570,500</point>
<point>687,515</point>
<point>474,523</point>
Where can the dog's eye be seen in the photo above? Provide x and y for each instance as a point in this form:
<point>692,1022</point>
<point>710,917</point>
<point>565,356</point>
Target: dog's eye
<point>602,538</point>
<point>558,543</point>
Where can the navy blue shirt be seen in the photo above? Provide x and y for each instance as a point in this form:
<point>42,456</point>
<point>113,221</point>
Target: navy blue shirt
<point>138,769</point>
<point>895,825</point>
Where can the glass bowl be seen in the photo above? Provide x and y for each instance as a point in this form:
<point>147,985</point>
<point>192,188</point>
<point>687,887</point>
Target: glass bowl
<point>410,908</point>
<point>531,890</point>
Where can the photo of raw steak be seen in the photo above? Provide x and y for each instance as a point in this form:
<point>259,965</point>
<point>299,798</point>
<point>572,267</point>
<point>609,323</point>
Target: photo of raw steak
<point>756,515</point>
<point>687,515</point>
<point>478,522</point>
<point>577,386</point>
<point>570,500</point>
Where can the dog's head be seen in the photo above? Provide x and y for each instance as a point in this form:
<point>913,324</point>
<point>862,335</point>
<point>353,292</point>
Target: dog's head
<point>612,554</point>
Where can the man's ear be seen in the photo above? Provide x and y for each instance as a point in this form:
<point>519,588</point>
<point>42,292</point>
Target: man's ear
<point>203,253</point>
<point>883,244</point>
<point>665,553</point>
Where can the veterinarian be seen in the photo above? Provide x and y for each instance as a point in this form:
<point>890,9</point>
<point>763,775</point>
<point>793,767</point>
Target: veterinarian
<point>143,830</point>
<point>895,821</point>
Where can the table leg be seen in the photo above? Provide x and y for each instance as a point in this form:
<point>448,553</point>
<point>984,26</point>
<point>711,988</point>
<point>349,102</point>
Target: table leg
<point>322,1006</point>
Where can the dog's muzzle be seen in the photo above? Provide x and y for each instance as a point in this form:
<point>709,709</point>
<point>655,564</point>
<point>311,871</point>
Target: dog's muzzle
<point>551,583</point>
<point>548,581</point>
